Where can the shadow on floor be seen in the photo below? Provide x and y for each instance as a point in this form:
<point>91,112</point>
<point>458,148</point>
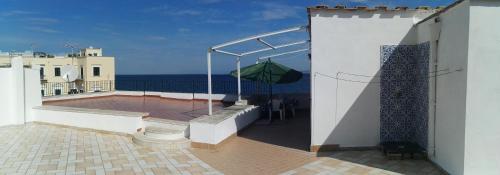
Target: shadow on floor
<point>294,132</point>
<point>376,159</point>
<point>264,149</point>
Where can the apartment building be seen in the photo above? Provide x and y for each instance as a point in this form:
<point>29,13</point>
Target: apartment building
<point>95,71</point>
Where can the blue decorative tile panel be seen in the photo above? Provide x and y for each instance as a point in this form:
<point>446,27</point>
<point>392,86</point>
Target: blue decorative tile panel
<point>404,93</point>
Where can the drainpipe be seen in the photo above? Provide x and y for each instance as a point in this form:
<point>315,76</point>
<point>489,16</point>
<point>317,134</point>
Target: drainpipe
<point>436,65</point>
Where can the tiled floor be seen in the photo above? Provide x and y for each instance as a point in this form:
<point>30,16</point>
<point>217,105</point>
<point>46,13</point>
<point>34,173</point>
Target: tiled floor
<point>282,147</point>
<point>181,110</point>
<point>264,149</point>
<point>365,162</point>
<point>48,149</point>
<point>244,156</point>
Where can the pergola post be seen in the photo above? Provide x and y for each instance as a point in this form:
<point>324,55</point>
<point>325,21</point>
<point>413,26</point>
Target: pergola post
<point>209,68</point>
<point>217,48</point>
<point>239,77</point>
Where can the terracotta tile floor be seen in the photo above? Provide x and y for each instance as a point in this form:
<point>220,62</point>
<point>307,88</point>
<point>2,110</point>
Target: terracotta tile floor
<point>245,156</point>
<point>264,149</point>
<point>365,162</point>
<point>48,149</point>
<point>282,147</point>
<point>181,110</point>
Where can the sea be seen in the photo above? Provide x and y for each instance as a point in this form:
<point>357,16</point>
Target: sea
<point>197,83</point>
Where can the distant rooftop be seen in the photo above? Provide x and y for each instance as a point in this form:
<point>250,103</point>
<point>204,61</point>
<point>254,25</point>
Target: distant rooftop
<point>375,8</point>
<point>383,8</point>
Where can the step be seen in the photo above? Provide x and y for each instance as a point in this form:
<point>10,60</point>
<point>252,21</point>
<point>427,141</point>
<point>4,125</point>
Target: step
<point>143,140</point>
<point>164,133</point>
<point>165,123</point>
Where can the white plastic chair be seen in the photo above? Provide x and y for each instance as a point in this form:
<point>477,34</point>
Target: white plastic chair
<point>277,105</point>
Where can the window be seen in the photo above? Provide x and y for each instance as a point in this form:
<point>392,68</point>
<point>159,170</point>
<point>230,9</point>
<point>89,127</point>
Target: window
<point>43,93</point>
<point>42,73</point>
<point>96,71</point>
<point>57,71</point>
<point>57,91</point>
<point>95,54</point>
<point>81,72</point>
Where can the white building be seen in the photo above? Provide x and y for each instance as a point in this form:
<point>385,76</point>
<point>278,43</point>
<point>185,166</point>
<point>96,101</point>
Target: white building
<point>428,76</point>
<point>95,71</point>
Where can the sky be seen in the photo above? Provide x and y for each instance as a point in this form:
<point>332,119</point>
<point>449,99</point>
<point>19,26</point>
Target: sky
<point>163,36</point>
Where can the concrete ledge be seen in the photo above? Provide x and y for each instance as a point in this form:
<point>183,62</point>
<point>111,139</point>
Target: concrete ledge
<point>336,147</point>
<point>324,148</point>
<point>82,129</point>
<point>172,95</point>
<point>211,146</point>
<point>211,131</point>
<point>105,120</point>
<point>92,111</point>
<point>77,96</point>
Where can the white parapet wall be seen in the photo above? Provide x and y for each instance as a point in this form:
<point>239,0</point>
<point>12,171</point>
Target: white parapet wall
<point>172,95</point>
<point>77,96</point>
<point>212,130</point>
<point>107,120</point>
<point>104,120</point>
<point>19,92</point>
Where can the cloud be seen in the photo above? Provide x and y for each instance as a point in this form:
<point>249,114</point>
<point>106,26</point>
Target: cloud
<point>275,11</point>
<point>156,38</point>
<point>42,29</point>
<point>17,13</point>
<point>209,1</point>
<point>105,29</point>
<point>186,12</point>
<point>217,21</point>
<point>170,11</point>
<point>42,20</point>
<point>183,30</point>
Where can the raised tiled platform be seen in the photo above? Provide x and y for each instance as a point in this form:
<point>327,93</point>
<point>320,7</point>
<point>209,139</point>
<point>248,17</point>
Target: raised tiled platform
<point>209,131</point>
<point>158,107</point>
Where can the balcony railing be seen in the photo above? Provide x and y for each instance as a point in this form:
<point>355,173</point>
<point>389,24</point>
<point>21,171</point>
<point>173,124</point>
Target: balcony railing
<point>221,86</point>
<point>65,88</point>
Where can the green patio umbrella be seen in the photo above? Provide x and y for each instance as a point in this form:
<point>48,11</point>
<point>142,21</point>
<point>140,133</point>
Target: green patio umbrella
<point>269,72</point>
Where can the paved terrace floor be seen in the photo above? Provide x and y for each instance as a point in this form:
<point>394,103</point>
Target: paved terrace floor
<point>49,149</point>
<point>282,147</point>
<point>180,110</point>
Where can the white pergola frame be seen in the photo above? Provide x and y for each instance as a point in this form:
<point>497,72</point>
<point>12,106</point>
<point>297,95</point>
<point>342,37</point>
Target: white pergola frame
<point>259,38</point>
<point>281,54</point>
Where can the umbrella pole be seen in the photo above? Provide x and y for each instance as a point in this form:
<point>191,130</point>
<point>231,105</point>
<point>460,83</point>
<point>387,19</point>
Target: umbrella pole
<point>270,93</point>
<point>270,102</point>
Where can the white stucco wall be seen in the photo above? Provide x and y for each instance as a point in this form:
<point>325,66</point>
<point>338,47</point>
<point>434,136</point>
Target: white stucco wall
<point>20,91</point>
<point>173,95</point>
<point>452,53</point>
<point>6,97</point>
<point>429,31</point>
<point>104,120</point>
<point>482,130</point>
<point>215,129</point>
<point>33,95</point>
<point>348,113</point>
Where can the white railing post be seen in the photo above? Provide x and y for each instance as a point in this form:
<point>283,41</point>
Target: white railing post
<point>239,77</point>
<point>209,66</point>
